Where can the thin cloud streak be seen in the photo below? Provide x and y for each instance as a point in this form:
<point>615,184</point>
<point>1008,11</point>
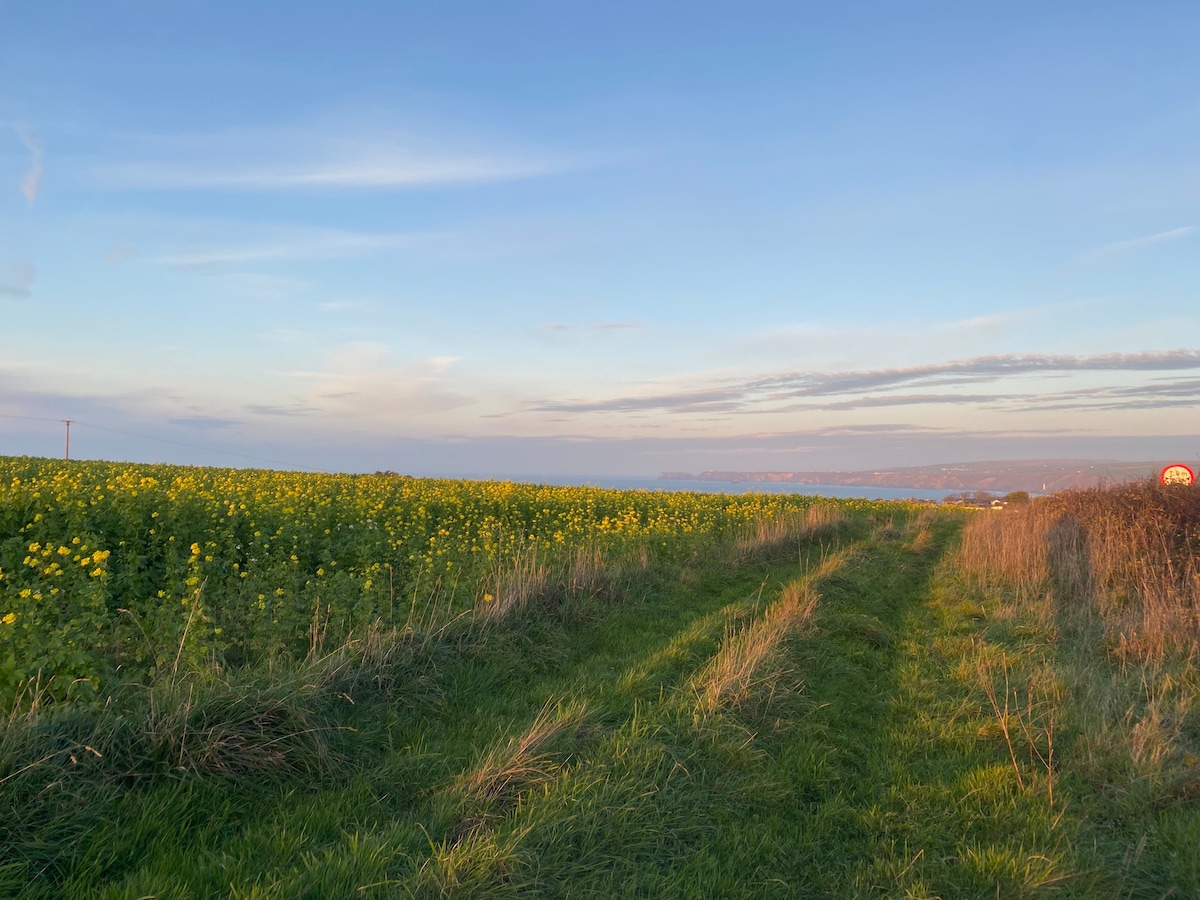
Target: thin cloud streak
<point>759,393</point>
<point>268,410</point>
<point>615,326</point>
<point>1158,395</point>
<point>335,245</point>
<point>1121,248</point>
<point>980,368</point>
<point>31,181</point>
<point>305,433</point>
<point>395,174</point>
<point>269,162</point>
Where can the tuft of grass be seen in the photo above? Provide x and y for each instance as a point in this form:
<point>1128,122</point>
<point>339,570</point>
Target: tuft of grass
<point>750,660</point>
<point>782,537</point>
<point>1026,720</point>
<point>524,761</point>
<point>481,863</point>
<point>238,728</point>
<point>565,585</point>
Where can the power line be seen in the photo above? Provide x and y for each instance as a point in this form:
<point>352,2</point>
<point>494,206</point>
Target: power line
<point>30,418</point>
<point>147,437</point>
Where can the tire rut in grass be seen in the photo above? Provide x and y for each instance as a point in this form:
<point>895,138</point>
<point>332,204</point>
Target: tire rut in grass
<point>615,818</point>
<point>615,801</point>
<point>910,798</point>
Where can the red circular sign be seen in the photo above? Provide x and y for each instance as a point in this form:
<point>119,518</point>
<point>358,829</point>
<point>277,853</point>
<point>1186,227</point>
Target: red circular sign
<point>1177,473</point>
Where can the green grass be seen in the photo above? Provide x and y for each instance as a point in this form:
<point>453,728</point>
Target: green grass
<point>695,730</point>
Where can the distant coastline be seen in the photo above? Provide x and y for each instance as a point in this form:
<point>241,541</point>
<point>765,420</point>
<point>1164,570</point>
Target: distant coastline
<point>1033,476</point>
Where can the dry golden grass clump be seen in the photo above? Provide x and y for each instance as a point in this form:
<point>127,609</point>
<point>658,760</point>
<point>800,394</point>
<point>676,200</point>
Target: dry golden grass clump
<point>772,537</point>
<point>525,760</point>
<point>529,580</point>
<point>750,659</point>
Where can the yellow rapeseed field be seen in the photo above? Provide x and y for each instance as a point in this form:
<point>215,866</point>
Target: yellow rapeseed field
<point>107,565</point>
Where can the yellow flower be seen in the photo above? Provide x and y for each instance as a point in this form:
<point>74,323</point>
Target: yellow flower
<point>9,619</point>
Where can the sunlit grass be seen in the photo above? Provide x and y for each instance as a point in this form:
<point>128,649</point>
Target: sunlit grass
<point>837,704</point>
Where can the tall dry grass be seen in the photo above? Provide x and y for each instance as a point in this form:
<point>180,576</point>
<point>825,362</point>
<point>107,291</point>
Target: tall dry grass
<point>474,803</point>
<point>525,759</point>
<point>1114,575</point>
<point>530,580</point>
<point>1130,554</point>
<point>783,535</point>
<point>750,661</point>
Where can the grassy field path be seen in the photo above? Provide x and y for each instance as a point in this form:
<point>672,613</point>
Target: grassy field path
<point>808,724</point>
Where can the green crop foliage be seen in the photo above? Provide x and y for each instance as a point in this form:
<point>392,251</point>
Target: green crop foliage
<point>108,566</point>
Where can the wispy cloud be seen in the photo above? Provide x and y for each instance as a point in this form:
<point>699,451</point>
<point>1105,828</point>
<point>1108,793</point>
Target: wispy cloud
<point>595,326</point>
<point>204,423</point>
<point>1122,248</point>
<point>615,326</point>
<point>795,390</point>
<point>320,246</point>
<point>31,181</point>
<point>974,370</point>
<point>364,380</point>
<point>297,409</point>
<point>396,173</point>
<point>291,160</point>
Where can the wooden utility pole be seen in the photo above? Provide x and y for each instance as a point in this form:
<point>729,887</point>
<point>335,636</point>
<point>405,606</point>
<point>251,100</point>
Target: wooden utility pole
<point>67,452</point>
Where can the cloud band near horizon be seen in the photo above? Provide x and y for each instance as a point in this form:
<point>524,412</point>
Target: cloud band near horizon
<point>799,386</point>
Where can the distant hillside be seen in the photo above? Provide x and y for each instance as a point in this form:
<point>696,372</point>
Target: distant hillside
<point>1035,476</point>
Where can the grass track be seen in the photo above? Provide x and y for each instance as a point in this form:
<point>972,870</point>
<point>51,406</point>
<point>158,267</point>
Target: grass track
<point>572,756</point>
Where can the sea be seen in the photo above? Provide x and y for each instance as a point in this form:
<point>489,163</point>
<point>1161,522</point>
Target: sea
<point>626,483</point>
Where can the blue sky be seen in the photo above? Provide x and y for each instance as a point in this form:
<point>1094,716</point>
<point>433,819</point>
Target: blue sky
<point>546,238</point>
